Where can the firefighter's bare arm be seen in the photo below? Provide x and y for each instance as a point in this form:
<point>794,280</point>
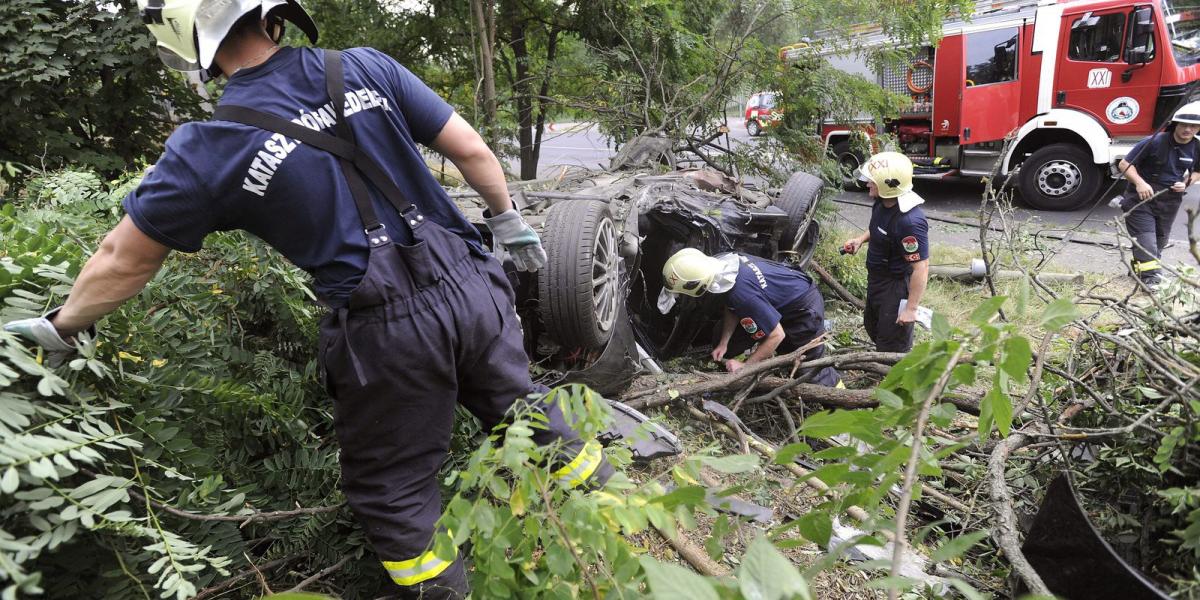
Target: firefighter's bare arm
<point>120,268</point>
<point>916,289</point>
<point>766,349</point>
<point>460,143</point>
<point>1131,173</point>
<point>728,323</point>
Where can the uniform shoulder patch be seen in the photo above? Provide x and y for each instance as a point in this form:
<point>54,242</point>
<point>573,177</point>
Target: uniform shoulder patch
<point>910,244</point>
<point>760,335</point>
<point>915,257</point>
<point>749,325</point>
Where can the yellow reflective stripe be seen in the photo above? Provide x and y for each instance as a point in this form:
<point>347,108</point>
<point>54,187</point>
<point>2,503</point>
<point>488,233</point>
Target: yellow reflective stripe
<point>414,571</point>
<point>582,467</point>
<point>841,385</point>
<point>1150,265</point>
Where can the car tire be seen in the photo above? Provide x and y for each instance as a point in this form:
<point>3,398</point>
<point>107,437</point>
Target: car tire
<point>753,128</point>
<point>798,198</point>
<point>579,287</point>
<point>1059,177</point>
<point>848,160</point>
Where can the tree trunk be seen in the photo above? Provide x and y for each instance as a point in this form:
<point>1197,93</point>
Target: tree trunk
<point>483,12</point>
<point>520,85</point>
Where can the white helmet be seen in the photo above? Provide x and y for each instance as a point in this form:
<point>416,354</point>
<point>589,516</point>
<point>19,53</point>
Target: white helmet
<point>190,31</point>
<point>1188,113</point>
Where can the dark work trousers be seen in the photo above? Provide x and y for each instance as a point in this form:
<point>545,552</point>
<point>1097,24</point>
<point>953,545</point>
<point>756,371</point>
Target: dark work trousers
<point>802,321</point>
<point>429,325</point>
<point>885,290</point>
<point>1149,224</point>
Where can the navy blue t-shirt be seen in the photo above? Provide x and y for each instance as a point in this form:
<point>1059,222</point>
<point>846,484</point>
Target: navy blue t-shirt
<point>1169,167</point>
<point>219,175</point>
<point>898,239</point>
<point>762,290</point>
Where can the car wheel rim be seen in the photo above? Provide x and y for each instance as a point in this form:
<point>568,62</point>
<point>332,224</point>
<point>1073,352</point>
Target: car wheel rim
<point>605,275</point>
<point>1058,178</point>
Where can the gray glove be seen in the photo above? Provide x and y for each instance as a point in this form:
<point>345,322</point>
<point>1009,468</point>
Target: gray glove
<point>41,331</point>
<point>514,236</point>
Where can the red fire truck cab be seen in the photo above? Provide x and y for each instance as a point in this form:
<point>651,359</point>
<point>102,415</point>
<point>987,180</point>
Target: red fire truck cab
<point>1075,82</point>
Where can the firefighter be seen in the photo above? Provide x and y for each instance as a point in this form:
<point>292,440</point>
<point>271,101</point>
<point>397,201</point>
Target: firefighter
<point>1159,169</point>
<point>420,314</point>
<point>766,302</point>
<point>898,255</point>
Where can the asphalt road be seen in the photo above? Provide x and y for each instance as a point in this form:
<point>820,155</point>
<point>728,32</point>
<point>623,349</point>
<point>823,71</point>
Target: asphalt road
<point>580,145</point>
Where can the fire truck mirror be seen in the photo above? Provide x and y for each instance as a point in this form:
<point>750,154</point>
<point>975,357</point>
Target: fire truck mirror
<point>1139,49</point>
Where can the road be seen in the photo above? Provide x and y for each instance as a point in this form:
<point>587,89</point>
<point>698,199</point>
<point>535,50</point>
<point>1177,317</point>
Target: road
<point>946,203</point>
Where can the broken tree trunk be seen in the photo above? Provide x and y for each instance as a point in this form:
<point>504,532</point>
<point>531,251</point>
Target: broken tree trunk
<point>842,361</point>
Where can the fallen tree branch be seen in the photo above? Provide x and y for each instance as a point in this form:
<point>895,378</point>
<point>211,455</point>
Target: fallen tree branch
<point>1005,519</point>
<point>910,470</point>
<point>244,520</point>
<point>320,574</point>
<point>835,285</point>
<point>211,591</point>
<point>719,383</point>
<point>695,556</point>
<point>844,398</point>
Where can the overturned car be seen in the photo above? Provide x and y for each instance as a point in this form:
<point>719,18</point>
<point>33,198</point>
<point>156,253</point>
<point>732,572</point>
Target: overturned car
<point>590,315</point>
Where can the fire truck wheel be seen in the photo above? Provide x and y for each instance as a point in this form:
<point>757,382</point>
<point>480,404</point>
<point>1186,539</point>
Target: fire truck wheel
<point>1059,177</point>
<point>753,128</point>
<point>848,160</point>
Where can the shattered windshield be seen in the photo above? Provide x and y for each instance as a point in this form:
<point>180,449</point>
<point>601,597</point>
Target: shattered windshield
<point>1183,24</point>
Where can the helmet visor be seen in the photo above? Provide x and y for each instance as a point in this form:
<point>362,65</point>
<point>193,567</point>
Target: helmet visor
<point>861,176</point>
<point>176,61</point>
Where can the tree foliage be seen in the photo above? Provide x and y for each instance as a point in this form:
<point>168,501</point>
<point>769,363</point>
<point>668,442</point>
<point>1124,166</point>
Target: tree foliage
<point>82,84</point>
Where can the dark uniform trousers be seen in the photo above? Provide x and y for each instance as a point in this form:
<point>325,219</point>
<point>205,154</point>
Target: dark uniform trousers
<point>802,321</point>
<point>1149,224</point>
<point>430,325</point>
<point>885,290</point>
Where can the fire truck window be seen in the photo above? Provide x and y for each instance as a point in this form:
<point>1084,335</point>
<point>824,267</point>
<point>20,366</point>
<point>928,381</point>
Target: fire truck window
<point>1097,38</point>
<point>992,56</point>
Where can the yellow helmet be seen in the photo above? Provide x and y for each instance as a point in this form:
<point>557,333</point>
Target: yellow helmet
<point>690,272</point>
<point>890,171</point>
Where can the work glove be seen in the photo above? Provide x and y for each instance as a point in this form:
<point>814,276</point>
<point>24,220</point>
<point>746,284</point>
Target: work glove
<point>515,237</point>
<point>42,332</point>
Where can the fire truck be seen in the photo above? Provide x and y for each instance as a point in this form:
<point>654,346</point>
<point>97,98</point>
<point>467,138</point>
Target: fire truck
<point>1076,83</point>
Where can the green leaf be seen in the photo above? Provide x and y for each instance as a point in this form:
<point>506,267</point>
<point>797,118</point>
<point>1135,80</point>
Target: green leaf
<point>1022,302</point>
<point>971,593</point>
<point>988,309</point>
<point>10,481</point>
<point>789,452</point>
<point>941,326</point>
<point>888,399</point>
<point>1017,357</point>
<point>735,463</point>
<point>673,582</point>
<point>828,424</point>
<point>956,547</point>
<point>692,495</point>
<point>765,574</point>
<point>1058,314</point>
<point>816,526</point>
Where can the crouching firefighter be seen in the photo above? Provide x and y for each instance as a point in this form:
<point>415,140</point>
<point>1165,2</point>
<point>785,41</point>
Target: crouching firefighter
<point>766,303</point>
<point>1159,169</point>
<point>315,152</point>
<point>898,255</point>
